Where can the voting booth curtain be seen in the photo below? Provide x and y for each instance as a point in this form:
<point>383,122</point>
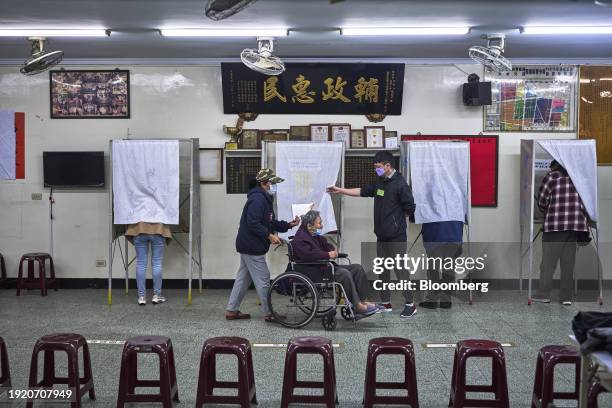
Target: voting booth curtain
<point>7,145</point>
<point>145,181</point>
<point>308,169</point>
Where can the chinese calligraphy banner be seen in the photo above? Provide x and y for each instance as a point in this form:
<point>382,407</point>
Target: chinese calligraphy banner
<point>315,88</point>
<point>483,165</point>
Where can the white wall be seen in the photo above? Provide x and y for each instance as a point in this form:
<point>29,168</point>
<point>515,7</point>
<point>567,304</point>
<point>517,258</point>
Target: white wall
<point>186,101</point>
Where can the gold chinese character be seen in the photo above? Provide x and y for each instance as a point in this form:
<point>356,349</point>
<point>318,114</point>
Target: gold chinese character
<point>335,91</point>
<point>270,90</point>
<point>367,89</point>
<point>301,95</point>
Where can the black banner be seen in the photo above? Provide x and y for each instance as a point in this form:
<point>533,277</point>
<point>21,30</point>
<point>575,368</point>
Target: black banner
<point>315,88</point>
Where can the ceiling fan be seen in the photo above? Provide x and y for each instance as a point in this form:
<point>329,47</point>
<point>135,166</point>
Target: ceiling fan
<point>40,59</point>
<point>491,56</point>
<point>262,60</point>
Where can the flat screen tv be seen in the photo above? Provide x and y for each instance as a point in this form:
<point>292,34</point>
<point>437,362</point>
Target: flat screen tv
<point>73,169</point>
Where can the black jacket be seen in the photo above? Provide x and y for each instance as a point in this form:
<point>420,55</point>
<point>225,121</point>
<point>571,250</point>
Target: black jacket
<point>393,202</point>
<point>256,223</point>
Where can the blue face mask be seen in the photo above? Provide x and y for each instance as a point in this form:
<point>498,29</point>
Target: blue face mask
<point>319,231</point>
<point>272,189</point>
<point>379,171</point>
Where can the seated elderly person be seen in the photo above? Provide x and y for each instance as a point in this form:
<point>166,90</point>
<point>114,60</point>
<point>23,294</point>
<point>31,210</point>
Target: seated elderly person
<point>309,246</point>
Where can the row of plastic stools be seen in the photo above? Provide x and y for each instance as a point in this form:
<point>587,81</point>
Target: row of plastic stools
<point>543,393</point>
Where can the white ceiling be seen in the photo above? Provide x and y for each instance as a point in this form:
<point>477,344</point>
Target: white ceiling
<point>133,22</point>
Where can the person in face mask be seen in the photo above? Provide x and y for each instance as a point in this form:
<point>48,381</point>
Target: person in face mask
<point>309,245</point>
<point>258,227</point>
<point>393,202</point>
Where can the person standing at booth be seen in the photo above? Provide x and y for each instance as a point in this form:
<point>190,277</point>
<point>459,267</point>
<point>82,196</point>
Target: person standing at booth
<point>393,202</point>
<point>157,235</point>
<point>255,234</point>
<point>565,219</point>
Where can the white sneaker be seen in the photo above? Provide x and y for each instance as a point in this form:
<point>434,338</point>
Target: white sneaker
<point>566,303</point>
<point>142,301</point>
<point>158,299</point>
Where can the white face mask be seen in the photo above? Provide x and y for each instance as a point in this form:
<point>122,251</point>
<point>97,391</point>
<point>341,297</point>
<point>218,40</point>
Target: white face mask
<point>272,189</point>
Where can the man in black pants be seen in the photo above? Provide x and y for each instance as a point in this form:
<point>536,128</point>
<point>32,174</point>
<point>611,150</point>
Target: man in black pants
<point>393,202</point>
<point>566,218</point>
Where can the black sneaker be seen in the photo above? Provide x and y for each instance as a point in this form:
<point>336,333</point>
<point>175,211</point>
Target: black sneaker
<point>409,311</point>
<point>429,304</point>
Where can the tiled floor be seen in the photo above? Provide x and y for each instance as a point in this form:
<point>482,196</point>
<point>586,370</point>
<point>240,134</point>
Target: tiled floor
<point>502,316</point>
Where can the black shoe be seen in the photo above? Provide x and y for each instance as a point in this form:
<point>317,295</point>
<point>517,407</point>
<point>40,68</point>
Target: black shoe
<point>429,304</point>
<point>409,311</point>
<point>446,305</point>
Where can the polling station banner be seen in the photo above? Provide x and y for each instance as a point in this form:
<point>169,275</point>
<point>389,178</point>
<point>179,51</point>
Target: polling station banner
<point>315,88</point>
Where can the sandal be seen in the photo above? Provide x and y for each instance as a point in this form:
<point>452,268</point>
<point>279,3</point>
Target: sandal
<point>237,315</point>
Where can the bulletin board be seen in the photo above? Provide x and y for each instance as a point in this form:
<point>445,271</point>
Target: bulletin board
<point>484,151</point>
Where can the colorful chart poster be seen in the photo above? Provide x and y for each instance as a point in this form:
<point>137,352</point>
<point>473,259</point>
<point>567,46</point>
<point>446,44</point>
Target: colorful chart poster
<point>483,165</point>
<point>533,98</point>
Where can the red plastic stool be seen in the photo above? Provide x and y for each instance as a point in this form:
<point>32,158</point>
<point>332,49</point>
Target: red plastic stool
<point>499,383</point>
<point>128,379</point>
<point>207,380</point>
<point>5,371</point>
<point>394,346</point>
<point>41,282</point>
<point>309,345</point>
<point>594,390</point>
<point>70,343</point>
<point>543,386</point>
<point>3,278</point>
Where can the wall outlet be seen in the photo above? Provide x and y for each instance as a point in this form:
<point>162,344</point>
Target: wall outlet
<point>36,196</point>
<point>100,263</point>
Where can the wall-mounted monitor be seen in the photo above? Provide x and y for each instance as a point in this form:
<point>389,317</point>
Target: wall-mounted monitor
<point>73,169</point>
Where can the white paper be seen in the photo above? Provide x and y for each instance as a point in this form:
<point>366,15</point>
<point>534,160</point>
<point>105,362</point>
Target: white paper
<point>391,142</point>
<point>297,210</point>
<point>146,181</point>
<point>439,172</point>
<point>7,145</point>
<point>308,168</point>
<point>579,158</point>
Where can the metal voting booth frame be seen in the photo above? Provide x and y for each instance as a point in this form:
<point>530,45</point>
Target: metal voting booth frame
<point>405,170</point>
<point>533,155</point>
<point>268,160</point>
<point>189,216</point>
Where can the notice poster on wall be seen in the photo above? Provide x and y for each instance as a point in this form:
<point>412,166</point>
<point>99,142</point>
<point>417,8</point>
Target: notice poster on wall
<point>483,165</point>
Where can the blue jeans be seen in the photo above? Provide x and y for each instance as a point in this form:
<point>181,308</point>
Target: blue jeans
<point>141,242</point>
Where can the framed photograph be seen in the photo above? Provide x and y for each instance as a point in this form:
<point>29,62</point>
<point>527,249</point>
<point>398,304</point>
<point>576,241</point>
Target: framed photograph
<point>273,135</point>
<point>299,133</point>
<point>340,132</point>
<point>375,137</point>
<point>391,139</point>
<point>89,94</point>
<point>211,166</point>
<point>358,139</point>
<point>249,139</point>
<point>319,133</point>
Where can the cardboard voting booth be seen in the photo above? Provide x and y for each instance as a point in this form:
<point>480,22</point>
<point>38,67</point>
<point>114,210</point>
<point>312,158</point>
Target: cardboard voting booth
<point>578,157</point>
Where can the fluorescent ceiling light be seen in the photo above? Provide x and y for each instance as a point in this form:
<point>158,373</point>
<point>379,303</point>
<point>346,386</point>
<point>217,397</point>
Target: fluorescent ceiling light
<point>567,30</point>
<point>100,32</point>
<point>404,31</point>
<point>215,32</point>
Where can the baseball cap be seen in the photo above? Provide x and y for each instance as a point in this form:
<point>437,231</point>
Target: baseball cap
<point>268,175</point>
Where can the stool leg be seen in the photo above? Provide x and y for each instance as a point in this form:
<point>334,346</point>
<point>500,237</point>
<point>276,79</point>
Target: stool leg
<point>42,276</point>
<point>577,381</point>
<point>329,386</point>
<point>548,384</point>
<point>453,381</point>
<point>20,277</point>
<point>369,388</point>
<point>73,378</point>
<point>30,269</point>
<point>289,378</point>
<point>5,374</point>
<point>123,378</point>
<point>165,388</point>
<point>132,372</point>
<point>88,372</point>
<point>411,380</point>
<point>251,373</point>
<point>243,383</point>
<point>501,388</point>
<point>202,379</point>
<point>460,383</point>
<point>172,369</point>
<point>537,383</point>
<point>33,382</point>
<point>48,369</point>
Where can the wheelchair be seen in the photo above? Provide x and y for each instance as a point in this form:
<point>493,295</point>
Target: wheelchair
<point>306,291</point>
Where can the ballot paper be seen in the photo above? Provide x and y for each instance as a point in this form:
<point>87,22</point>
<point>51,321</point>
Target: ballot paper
<point>300,209</point>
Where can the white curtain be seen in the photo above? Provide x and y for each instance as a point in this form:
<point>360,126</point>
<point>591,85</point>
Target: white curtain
<point>308,169</point>
<point>146,181</point>
<point>579,158</point>
<point>439,173</point>
<point>7,145</point>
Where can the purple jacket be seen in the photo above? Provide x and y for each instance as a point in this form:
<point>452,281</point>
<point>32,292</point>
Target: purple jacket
<point>308,248</point>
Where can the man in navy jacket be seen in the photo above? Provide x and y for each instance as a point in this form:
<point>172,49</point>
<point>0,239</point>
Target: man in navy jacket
<point>255,234</point>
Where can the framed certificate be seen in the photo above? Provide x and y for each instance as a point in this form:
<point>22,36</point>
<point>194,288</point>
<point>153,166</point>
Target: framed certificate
<point>319,133</point>
<point>249,139</point>
<point>273,136</point>
<point>299,133</point>
<point>375,137</point>
<point>340,132</point>
<point>358,139</point>
<point>391,139</point>
<point>211,166</point>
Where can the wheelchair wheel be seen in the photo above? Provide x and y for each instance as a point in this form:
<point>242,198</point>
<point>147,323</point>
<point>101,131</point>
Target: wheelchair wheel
<point>329,320</point>
<point>293,300</point>
<point>346,313</point>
